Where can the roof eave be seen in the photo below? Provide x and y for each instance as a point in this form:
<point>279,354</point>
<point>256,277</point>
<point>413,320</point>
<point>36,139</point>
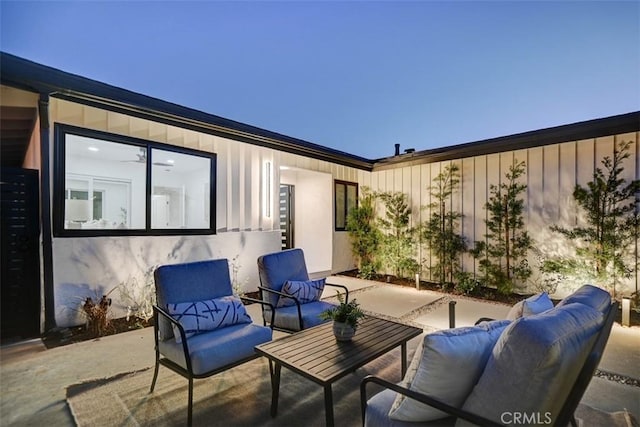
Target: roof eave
<point>38,78</point>
<point>618,124</point>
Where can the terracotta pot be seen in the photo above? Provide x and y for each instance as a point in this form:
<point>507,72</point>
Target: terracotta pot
<point>343,331</point>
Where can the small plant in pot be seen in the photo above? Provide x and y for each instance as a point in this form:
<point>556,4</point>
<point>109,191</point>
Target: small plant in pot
<point>345,316</point>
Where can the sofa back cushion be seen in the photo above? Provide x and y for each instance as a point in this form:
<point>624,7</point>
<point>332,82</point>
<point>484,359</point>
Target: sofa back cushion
<point>446,366</point>
<point>535,363</point>
<point>589,295</point>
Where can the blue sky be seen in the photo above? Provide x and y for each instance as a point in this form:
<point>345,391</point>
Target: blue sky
<point>357,76</point>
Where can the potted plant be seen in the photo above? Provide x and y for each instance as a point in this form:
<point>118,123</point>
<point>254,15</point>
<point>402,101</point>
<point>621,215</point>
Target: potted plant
<point>345,316</point>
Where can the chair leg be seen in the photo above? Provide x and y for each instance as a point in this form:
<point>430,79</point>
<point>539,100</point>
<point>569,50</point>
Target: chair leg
<point>155,376</point>
<point>190,406</point>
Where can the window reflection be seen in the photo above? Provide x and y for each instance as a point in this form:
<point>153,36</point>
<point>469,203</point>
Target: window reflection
<point>107,186</point>
<point>180,190</point>
<point>101,181</point>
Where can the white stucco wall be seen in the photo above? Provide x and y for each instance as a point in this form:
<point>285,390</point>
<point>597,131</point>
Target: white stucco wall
<point>94,266</point>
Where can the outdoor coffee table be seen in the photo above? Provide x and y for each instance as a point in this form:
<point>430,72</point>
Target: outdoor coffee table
<point>315,354</point>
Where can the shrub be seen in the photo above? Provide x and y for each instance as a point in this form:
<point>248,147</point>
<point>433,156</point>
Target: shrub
<point>503,255</point>
<point>398,241</point>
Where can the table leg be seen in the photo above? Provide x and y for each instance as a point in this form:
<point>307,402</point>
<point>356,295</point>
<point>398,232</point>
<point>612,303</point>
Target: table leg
<point>328,405</point>
<point>275,388</point>
<point>403,356</point>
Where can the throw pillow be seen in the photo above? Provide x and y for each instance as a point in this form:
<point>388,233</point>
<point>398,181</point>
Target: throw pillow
<point>535,304</point>
<point>202,316</point>
<point>449,364</point>
<point>305,291</point>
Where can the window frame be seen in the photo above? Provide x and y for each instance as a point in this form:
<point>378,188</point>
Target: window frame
<point>59,190</point>
<point>346,185</point>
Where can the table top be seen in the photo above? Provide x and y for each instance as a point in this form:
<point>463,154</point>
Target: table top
<point>316,354</point>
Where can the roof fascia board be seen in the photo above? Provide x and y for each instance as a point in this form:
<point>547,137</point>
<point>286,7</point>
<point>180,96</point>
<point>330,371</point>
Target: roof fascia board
<point>28,75</point>
<point>623,123</point>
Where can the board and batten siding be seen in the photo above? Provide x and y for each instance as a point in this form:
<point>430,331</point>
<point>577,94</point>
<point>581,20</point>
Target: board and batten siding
<point>552,171</point>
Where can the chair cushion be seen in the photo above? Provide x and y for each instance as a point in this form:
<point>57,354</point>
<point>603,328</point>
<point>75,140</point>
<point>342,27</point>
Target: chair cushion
<point>535,304</point>
<point>446,367</point>
<point>278,267</point>
<point>218,348</point>
<point>589,295</point>
<point>535,363</point>
<point>190,281</point>
<point>201,316</point>
<point>305,291</point>
<point>287,317</point>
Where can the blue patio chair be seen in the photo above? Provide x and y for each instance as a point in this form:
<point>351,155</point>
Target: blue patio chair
<point>292,299</point>
<point>200,327</point>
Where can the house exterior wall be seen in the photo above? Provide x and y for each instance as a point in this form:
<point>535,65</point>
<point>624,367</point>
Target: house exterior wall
<point>92,266</point>
<point>552,172</point>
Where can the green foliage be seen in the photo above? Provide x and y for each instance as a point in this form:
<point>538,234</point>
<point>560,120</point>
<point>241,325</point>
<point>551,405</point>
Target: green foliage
<point>398,241</point>
<point>349,313</point>
<point>503,256</point>
<point>364,233</point>
<point>465,282</point>
<point>439,233</point>
<point>604,239</point>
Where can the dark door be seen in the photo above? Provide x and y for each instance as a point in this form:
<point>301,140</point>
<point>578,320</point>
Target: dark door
<point>20,288</point>
<point>286,215</point>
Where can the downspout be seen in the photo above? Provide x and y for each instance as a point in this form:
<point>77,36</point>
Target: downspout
<point>45,212</point>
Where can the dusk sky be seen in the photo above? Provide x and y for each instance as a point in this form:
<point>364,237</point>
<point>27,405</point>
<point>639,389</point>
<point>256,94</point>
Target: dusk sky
<point>356,76</point>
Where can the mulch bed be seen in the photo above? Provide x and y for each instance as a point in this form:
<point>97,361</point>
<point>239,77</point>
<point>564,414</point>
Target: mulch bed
<point>64,336</point>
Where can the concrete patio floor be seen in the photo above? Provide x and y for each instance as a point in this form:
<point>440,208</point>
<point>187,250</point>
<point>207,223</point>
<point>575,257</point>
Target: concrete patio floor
<point>33,379</point>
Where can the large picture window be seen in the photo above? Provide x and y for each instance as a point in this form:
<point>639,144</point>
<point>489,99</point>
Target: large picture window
<point>346,198</point>
<point>108,184</point>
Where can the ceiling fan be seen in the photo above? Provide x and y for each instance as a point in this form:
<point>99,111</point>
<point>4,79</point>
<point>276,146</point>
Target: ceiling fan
<point>142,158</point>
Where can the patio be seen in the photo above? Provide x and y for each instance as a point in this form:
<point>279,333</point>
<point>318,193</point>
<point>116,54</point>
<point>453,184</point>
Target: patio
<point>33,380</point>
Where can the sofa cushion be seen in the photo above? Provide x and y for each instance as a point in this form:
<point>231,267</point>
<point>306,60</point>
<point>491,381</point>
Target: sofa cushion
<point>535,304</point>
<point>377,414</point>
<point>535,362</point>
<point>217,348</point>
<point>589,295</point>
<point>305,291</point>
<point>446,366</point>
<point>201,316</point>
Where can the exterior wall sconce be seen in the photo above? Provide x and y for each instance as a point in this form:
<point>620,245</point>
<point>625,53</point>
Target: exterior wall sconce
<point>626,308</point>
<point>266,189</point>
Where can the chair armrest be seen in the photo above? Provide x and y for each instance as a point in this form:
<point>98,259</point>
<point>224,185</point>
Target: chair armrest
<point>282,294</point>
<point>427,400</point>
<point>262,303</point>
<point>346,290</point>
<point>159,312</point>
